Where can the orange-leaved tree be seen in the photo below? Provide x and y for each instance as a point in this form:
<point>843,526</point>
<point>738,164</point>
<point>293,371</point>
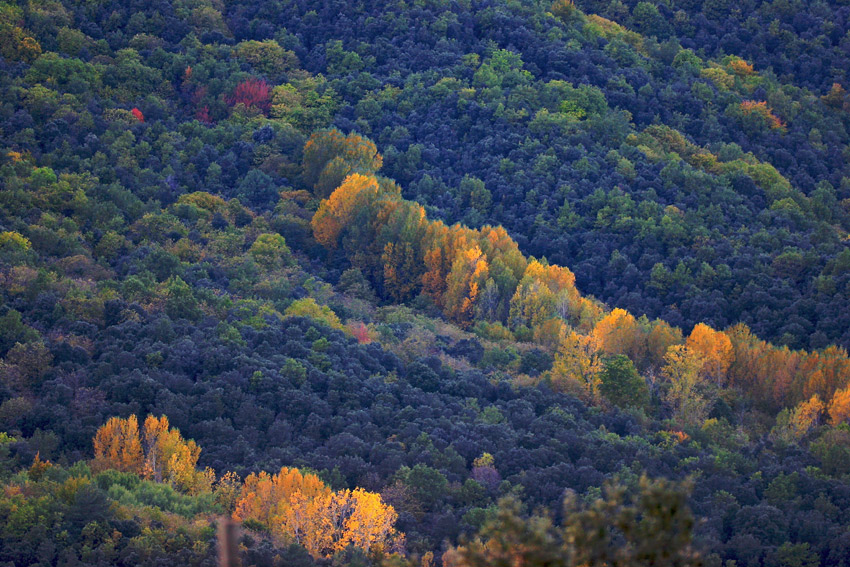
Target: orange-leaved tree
<point>839,407</point>
<point>715,347</point>
<point>117,446</point>
<point>619,333</point>
<point>266,498</point>
<point>158,453</point>
<point>336,213</point>
<point>299,507</point>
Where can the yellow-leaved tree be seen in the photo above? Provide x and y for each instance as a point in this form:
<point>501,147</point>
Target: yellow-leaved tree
<point>117,446</point>
<point>619,333</point>
<point>337,211</point>
<point>299,507</point>
<point>158,453</point>
<point>661,337</point>
<point>690,405</point>
<point>716,349</point>
<point>353,517</point>
<point>467,277</point>
<point>792,425</point>
<point>170,458</point>
<point>577,366</point>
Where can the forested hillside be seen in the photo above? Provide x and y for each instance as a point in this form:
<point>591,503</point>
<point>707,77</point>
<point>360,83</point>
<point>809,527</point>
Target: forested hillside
<point>373,278</point>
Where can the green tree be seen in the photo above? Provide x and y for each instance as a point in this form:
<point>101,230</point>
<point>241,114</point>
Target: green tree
<point>649,21</point>
<point>271,251</point>
<point>257,189</point>
<point>14,248</point>
<point>330,157</point>
<point>267,56</point>
<point>428,484</point>
<point>307,307</point>
<point>621,384</point>
<point>180,302</point>
<point>502,69</point>
<point>13,330</point>
<point>649,525</point>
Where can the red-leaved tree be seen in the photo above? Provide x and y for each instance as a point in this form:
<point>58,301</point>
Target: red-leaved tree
<point>138,114</point>
<point>203,115</point>
<point>252,92</point>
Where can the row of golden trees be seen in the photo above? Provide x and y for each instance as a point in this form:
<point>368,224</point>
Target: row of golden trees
<point>292,505</point>
<point>478,277</point>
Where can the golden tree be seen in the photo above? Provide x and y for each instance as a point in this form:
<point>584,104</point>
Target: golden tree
<point>168,457</point>
<point>578,361</point>
<point>158,452</point>
<point>839,407</point>
<point>358,518</point>
<point>117,446</point>
<point>661,337</point>
<point>807,415</point>
<point>685,394</point>
<point>531,304</point>
<point>468,275</point>
<point>301,508</point>
<point>337,211</point>
<point>715,348</point>
<point>619,333</point>
<point>267,498</point>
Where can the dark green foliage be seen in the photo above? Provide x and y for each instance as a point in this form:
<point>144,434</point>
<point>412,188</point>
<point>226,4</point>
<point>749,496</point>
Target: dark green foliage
<point>257,190</point>
<point>621,383</point>
<point>649,524</point>
<point>147,260</point>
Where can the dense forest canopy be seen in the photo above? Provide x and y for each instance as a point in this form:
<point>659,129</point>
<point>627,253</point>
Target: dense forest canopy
<point>408,283</point>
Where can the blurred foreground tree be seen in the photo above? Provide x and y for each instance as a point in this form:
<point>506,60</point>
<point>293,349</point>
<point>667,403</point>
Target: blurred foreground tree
<point>648,526</point>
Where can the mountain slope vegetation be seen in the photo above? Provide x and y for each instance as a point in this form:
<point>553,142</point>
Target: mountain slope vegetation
<point>399,262</point>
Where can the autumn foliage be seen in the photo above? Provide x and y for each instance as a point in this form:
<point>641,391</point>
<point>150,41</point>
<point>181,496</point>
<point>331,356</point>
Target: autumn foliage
<point>301,508</point>
<point>715,348</point>
<point>480,276</point>
<point>741,67</point>
<point>117,445</point>
<point>338,211</point>
<point>578,365</point>
<point>760,108</point>
<point>252,92</point>
<point>157,452</point>
<point>295,506</point>
<point>839,407</point>
<point>618,333</point>
<point>330,157</point>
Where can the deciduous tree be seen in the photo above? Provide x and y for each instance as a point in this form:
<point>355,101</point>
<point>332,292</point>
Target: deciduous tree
<point>839,407</point>
<point>716,350</point>
<point>685,393</point>
<point>158,452</point>
<point>117,445</point>
<point>619,333</point>
<point>330,157</point>
<point>578,361</point>
<point>336,212</point>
